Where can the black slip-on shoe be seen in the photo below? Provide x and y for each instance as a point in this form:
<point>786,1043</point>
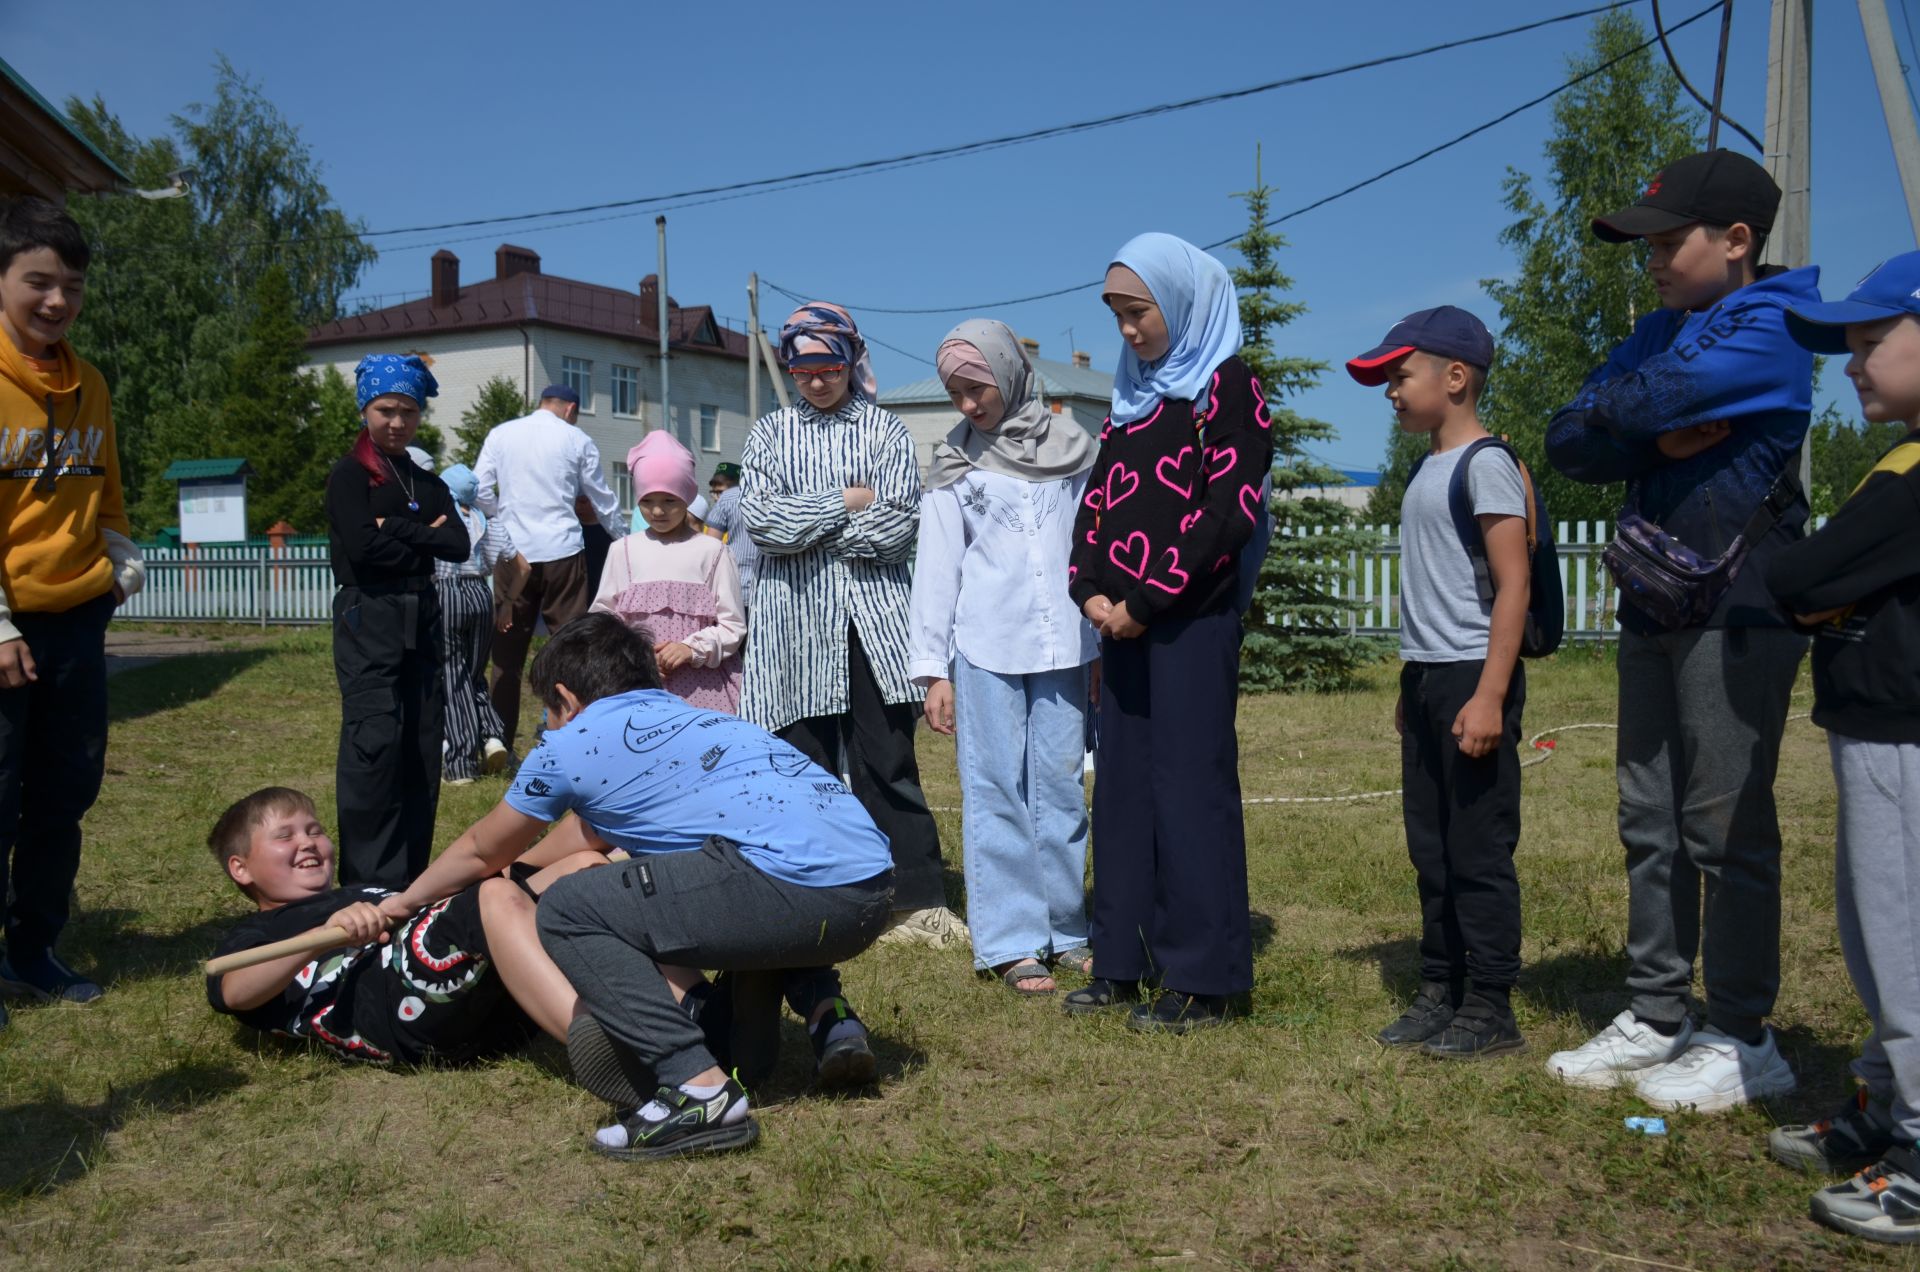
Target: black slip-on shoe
<point>1176,1012</point>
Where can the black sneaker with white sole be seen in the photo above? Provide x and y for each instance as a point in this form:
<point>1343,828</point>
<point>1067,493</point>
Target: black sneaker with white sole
<point>675,1122</point>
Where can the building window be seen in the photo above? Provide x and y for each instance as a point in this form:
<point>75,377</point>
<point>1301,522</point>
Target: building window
<point>709,427</point>
<point>577,374</point>
<point>626,390</point>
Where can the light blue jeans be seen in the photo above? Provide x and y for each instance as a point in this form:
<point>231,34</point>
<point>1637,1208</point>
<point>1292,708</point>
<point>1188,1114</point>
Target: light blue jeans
<point>1021,742</point>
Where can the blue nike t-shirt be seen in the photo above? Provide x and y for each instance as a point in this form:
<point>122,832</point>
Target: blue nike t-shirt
<point>651,774</point>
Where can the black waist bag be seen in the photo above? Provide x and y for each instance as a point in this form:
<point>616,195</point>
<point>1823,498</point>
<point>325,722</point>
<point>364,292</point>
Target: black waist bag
<point>1671,583</point>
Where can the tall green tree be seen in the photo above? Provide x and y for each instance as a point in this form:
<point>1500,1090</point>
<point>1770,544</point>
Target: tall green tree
<point>498,401</point>
<point>1843,450</point>
<point>1298,633</point>
<point>1572,298</point>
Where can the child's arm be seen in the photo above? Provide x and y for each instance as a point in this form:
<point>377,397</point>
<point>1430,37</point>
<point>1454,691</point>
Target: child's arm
<point>713,645</point>
<point>936,587</point>
<point>442,532</point>
<point>782,521</point>
<point>1478,726</point>
<point>252,987</point>
<point>884,530</point>
<point>1081,558</point>
<point>350,513</point>
<point>1871,543</point>
<point>484,849</point>
<point>616,576</point>
<point>568,837</point>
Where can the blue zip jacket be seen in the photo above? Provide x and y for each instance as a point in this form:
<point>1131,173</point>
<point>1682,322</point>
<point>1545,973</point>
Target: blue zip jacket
<point>1733,362</point>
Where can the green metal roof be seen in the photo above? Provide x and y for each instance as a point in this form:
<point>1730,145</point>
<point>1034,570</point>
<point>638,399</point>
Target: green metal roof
<point>19,81</point>
<point>1057,380</point>
<point>202,469</point>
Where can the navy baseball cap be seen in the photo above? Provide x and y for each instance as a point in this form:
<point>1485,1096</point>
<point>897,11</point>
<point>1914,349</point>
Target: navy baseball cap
<point>564,392</point>
<point>1448,331</point>
<point>1891,289</point>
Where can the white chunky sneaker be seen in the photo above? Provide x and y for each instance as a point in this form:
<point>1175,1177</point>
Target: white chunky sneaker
<point>936,926</point>
<point>1718,1072</point>
<point>494,756</point>
<point>1625,1048</point>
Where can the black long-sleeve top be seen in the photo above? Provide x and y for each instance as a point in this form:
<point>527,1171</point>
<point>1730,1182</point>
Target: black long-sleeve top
<point>399,552</point>
<point>1172,500</point>
<point>1865,562</point>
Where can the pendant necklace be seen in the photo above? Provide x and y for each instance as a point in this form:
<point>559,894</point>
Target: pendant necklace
<point>413,505</point>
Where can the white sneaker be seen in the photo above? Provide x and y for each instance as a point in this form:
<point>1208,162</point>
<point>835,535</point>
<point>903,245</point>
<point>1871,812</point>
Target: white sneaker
<point>493,756</point>
<point>1718,1072</point>
<point>1623,1049</point>
<point>936,926</point>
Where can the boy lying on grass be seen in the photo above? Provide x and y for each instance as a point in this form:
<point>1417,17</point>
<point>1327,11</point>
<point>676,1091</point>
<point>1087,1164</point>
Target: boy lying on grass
<point>457,980</point>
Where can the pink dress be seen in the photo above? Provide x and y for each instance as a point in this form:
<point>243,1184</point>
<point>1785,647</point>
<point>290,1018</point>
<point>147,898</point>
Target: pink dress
<point>685,588</point>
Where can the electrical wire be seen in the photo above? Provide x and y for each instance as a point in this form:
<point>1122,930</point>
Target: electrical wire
<point>1284,217</point>
<point>1674,63</point>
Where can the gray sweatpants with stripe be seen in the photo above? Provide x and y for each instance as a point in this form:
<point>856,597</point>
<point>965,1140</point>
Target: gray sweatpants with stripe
<point>1876,876</point>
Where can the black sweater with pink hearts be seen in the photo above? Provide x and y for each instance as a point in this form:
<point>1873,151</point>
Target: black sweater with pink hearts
<point>1172,500</point>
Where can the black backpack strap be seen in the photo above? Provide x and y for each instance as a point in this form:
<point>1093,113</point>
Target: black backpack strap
<point>1780,497</point>
<point>1465,524</point>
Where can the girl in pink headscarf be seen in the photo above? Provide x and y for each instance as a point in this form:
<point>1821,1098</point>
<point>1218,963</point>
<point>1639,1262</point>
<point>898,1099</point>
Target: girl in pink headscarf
<point>676,584</point>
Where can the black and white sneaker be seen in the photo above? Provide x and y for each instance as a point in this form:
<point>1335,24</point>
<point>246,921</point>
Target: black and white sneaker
<point>1881,1203</point>
<point>1855,1137</point>
<point>676,1122</point>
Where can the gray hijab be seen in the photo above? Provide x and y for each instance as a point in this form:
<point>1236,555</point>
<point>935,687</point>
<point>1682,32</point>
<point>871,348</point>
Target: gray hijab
<point>1029,443</point>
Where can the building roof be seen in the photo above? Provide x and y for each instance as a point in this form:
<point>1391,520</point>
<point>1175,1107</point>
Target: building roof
<point>205,469</point>
<point>519,293</point>
<point>1057,380</point>
<point>43,154</point>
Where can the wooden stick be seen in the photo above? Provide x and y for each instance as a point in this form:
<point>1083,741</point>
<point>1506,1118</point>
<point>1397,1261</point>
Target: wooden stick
<point>319,938</point>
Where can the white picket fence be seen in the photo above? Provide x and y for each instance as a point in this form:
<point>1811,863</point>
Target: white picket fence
<point>252,584</point>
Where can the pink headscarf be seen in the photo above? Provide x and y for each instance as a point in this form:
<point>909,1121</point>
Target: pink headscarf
<point>660,463</point>
<point>959,360</point>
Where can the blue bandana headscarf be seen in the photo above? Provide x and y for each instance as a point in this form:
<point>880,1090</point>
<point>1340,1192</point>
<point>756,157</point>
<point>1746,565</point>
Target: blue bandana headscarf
<point>393,373</point>
<point>1196,298</point>
<point>462,484</point>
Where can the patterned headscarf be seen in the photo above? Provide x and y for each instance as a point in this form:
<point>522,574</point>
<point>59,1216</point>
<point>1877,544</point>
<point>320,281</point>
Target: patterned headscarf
<point>819,329</point>
<point>1030,442</point>
<point>380,373</point>
<point>1196,297</point>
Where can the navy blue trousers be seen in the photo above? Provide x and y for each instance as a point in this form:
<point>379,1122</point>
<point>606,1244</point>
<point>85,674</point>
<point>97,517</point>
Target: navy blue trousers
<point>1169,842</point>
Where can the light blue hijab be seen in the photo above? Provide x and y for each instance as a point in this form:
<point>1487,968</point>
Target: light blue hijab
<point>1197,299</point>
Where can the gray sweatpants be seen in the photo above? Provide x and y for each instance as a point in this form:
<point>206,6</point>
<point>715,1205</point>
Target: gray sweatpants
<point>607,929</point>
<point>1701,714</point>
<point>1876,885</point>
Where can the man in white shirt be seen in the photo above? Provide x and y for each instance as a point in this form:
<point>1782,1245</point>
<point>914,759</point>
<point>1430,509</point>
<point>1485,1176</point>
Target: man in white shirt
<point>531,472</point>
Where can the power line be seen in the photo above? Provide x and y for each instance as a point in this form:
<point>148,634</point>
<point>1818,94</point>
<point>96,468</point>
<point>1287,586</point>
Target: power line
<point>1661,29</point>
<point>1382,175</point>
<point>761,185</point>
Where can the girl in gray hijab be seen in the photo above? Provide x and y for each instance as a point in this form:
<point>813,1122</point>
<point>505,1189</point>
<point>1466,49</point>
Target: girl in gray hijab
<point>1005,655</point>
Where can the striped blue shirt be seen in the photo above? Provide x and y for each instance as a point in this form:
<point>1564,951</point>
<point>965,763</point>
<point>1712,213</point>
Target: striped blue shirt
<point>821,567</point>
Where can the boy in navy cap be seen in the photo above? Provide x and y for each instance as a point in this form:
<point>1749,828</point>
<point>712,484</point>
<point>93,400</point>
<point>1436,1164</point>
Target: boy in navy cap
<point>1702,412</point>
<point>1857,584</point>
<point>1461,690</point>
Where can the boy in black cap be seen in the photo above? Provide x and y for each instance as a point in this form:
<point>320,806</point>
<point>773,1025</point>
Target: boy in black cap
<point>1462,688</point>
<point>1702,412</point>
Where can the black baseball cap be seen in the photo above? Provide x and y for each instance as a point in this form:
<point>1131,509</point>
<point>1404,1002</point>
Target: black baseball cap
<point>1717,187</point>
<point>1449,331</point>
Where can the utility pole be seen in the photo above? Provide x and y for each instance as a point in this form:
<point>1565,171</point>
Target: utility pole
<point>1894,103</point>
<point>666,410</point>
<point>1789,146</point>
<point>759,342</point>
<point>753,348</point>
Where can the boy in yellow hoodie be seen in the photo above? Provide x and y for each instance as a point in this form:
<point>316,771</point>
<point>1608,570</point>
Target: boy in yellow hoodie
<point>66,562</point>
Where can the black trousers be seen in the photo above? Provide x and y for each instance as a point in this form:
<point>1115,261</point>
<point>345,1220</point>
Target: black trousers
<point>386,656</point>
<point>556,591</point>
<point>885,776</point>
<point>1169,841</point>
<point>1463,824</point>
<point>53,752</point>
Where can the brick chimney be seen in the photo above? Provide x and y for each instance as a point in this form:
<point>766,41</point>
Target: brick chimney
<point>1032,346</point>
<point>446,279</point>
<point>509,260</point>
<point>1081,358</point>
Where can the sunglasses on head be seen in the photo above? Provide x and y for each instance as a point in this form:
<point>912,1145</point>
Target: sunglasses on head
<point>828,374</point>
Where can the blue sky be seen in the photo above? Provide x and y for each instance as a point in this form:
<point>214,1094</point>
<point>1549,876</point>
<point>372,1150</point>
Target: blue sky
<point>430,112</point>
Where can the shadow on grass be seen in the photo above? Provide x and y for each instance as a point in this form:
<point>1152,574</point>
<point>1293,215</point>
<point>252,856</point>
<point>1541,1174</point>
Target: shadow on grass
<point>107,943</point>
<point>1589,983</point>
<point>51,1141</point>
<point>142,691</point>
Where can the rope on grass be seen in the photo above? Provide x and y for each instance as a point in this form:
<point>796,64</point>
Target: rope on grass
<point>1538,742</point>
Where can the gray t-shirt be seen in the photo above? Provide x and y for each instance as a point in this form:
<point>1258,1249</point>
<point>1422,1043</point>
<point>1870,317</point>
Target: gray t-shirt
<point>1442,618</point>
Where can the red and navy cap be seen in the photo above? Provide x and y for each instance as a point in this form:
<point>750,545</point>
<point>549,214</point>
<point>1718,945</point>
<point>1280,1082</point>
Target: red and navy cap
<point>1890,290</point>
<point>1449,331</point>
<point>1717,187</point>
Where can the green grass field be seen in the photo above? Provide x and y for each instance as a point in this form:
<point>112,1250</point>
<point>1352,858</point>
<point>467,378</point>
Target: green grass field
<point>145,1130</point>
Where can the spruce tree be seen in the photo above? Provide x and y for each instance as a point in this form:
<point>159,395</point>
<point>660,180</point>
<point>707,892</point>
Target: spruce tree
<point>1298,630</point>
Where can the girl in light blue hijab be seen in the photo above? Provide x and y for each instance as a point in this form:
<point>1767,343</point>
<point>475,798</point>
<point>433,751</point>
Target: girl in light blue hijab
<point>1159,561</point>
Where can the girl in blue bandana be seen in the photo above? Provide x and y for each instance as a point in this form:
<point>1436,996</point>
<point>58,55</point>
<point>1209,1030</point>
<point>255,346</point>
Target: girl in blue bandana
<point>388,520</point>
<point>1175,494</point>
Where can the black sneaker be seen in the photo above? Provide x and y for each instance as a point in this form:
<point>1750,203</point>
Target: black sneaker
<point>751,1025</point>
<point>842,1055</point>
<point>1100,994</point>
<point>1478,1029</point>
<point>1430,1011</point>
<point>41,974</point>
<point>1175,1012</point>
<point>691,1125</point>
